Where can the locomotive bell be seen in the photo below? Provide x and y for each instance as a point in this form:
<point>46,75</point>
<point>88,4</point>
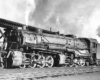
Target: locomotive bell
<point>24,27</point>
<point>39,31</point>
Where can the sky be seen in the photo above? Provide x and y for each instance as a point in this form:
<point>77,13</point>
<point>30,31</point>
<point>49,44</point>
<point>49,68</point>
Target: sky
<point>78,17</point>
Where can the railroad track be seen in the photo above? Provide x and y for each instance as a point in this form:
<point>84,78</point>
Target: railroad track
<point>37,73</point>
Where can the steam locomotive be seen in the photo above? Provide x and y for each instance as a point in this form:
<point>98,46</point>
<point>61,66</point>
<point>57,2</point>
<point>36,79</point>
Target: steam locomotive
<point>28,46</point>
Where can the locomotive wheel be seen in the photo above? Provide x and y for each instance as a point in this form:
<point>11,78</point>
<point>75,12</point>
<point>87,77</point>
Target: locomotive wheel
<point>38,61</point>
<point>33,62</point>
<point>97,62</point>
<point>33,65</point>
<point>41,62</point>
<point>2,63</point>
<point>82,62</point>
<point>87,63</point>
<point>49,61</point>
<point>72,56</point>
<point>22,66</point>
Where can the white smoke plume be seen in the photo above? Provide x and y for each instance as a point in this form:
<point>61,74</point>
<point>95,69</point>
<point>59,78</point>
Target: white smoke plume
<point>90,28</point>
<point>13,10</point>
<point>79,17</point>
<point>17,10</point>
<point>30,7</point>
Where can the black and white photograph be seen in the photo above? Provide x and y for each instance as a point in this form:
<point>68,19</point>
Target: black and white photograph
<point>49,39</point>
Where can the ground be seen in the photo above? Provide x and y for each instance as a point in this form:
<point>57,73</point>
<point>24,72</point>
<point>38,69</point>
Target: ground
<point>85,76</point>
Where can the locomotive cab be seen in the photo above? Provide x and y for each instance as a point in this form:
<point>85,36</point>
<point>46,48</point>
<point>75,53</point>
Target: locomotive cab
<point>88,50</point>
<point>93,51</point>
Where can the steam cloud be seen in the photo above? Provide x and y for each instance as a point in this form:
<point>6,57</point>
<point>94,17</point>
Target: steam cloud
<point>13,10</point>
<point>79,17</point>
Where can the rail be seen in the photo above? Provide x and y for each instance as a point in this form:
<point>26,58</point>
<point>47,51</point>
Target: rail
<point>34,74</point>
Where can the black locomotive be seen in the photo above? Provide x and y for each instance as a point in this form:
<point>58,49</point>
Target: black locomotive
<point>28,46</point>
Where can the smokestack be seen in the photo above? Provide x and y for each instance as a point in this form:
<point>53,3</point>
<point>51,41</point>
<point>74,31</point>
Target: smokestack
<point>50,29</point>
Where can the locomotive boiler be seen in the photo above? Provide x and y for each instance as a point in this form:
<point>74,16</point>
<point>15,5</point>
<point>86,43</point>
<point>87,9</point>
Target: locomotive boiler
<point>34,47</point>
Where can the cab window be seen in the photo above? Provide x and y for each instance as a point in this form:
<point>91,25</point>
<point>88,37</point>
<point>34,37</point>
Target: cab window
<point>94,45</point>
